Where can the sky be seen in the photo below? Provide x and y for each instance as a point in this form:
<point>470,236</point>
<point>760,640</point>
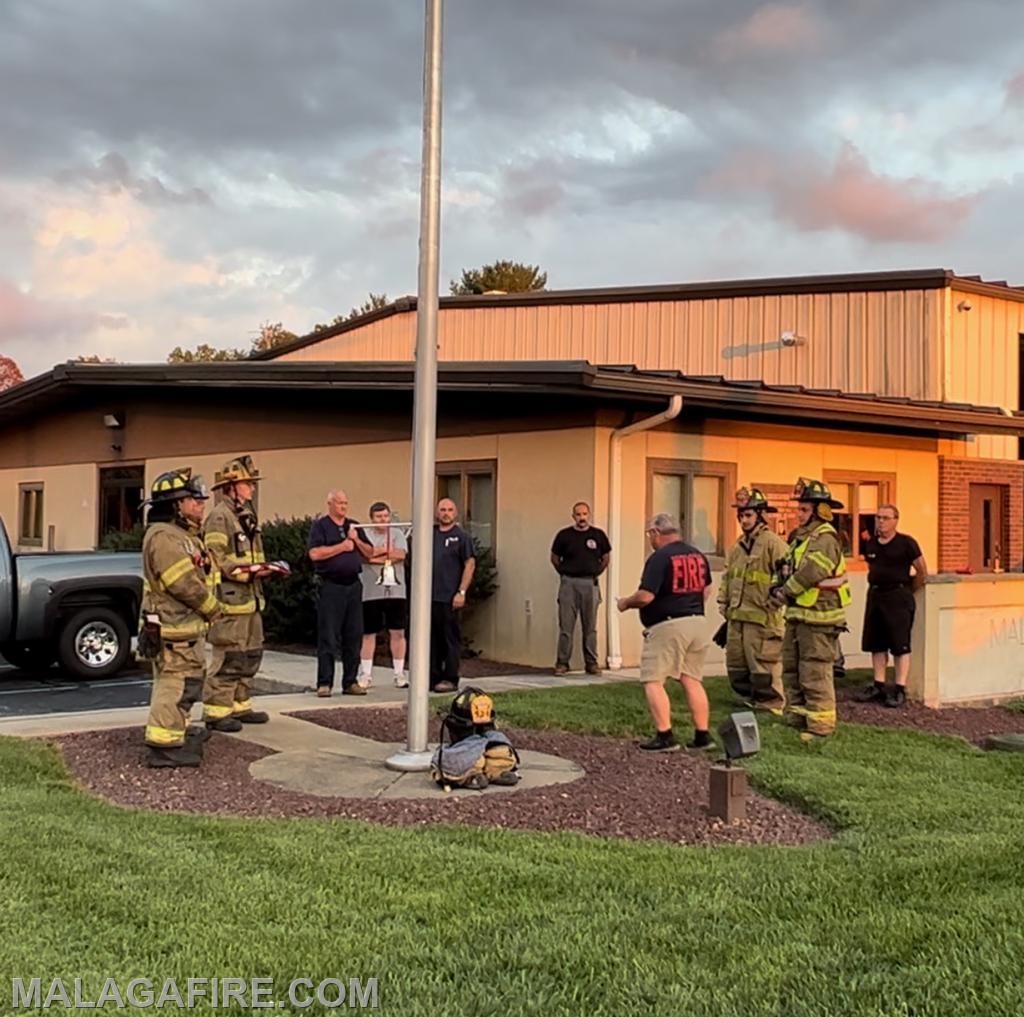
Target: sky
<point>175,172</point>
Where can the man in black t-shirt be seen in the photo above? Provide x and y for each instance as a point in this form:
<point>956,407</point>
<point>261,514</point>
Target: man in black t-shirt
<point>454,566</point>
<point>579,554</point>
<point>889,613</point>
<point>675,583</point>
<point>337,548</point>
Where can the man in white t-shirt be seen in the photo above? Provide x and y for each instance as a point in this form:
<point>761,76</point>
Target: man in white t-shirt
<point>384,594</point>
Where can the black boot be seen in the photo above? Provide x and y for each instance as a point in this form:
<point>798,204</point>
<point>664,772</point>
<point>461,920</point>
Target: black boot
<point>196,739</point>
<point>895,696</point>
<point>873,693</point>
<point>228,724</point>
<point>253,717</point>
<point>178,755</point>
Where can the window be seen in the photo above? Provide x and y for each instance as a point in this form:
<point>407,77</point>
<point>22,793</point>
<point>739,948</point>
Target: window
<point>30,514</point>
<point>122,489</point>
<point>861,494</point>
<point>698,494</point>
<point>988,534</point>
<point>472,486</point>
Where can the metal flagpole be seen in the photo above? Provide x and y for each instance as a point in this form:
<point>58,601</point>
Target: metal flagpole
<point>416,756</point>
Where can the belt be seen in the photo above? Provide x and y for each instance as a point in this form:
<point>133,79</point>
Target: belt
<point>339,582</point>
<point>676,617</point>
<point>876,588</point>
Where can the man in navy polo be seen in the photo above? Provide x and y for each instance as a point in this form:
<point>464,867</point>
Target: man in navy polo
<point>337,548</point>
<point>454,565</point>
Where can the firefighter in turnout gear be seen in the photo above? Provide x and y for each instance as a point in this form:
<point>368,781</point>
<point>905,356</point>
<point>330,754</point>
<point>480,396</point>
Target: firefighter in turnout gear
<point>753,650</point>
<point>232,536</point>
<point>815,593</point>
<point>177,604</point>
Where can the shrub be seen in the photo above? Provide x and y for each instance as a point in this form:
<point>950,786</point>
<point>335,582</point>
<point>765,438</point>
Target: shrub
<point>126,540</point>
<point>290,615</point>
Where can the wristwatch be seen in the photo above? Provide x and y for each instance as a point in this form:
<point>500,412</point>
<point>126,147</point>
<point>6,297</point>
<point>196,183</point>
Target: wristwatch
<point>461,593</point>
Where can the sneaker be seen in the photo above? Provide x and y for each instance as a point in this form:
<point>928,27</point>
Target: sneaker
<point>659,743</point>
<point>323,691</point>
<point>401,681</point>
<point>895,697</point>
<point>355,689</point>
<point>561,669</point>
<point>365,681</point>
<point>708,746</point>
<point>873,693</point>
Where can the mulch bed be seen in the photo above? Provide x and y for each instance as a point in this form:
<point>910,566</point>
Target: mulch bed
<point>625,793</point>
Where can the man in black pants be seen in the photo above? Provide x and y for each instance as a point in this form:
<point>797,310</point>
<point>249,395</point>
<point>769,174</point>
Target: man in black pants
<point>454,565</point>
<point>889,614</point>
<point>337,548</point>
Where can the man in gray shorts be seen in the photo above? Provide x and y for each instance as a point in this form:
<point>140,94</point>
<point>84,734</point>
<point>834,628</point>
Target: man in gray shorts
<point>676,582</point>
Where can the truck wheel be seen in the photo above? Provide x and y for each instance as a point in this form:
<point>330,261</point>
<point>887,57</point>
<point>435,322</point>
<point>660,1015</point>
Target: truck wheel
<point>29,656</point>
<point>93,643</point>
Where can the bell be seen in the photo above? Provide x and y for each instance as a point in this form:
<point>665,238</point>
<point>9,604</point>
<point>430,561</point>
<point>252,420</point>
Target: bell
<point>387,575</point>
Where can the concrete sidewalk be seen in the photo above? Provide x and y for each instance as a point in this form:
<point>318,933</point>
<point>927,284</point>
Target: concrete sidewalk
<point>289,677</point>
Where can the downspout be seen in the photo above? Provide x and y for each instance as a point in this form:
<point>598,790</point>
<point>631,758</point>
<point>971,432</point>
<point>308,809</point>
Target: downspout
<point>615,518</point>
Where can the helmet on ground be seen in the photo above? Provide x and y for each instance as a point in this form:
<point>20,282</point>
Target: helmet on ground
<point>177,484</point>
<point>471,712</point>
<point>240,468</point>
<point>752,498</point>
<point>815,491</point>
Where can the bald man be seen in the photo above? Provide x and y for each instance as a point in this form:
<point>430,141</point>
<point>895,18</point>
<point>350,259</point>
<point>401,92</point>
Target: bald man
<point>337,548</point>
<point>454,565</point>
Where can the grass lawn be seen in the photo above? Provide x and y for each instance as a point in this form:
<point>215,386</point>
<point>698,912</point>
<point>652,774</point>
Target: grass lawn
<point>915,908</point>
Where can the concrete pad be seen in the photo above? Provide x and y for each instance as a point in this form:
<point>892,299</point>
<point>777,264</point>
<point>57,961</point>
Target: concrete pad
<point>338,773</point>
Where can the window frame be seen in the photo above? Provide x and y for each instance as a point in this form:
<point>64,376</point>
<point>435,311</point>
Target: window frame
<point>464,469</point>
<point>886,494</point>
<point>688,469</point>
<point>100,470</point>
<point>38,488</point>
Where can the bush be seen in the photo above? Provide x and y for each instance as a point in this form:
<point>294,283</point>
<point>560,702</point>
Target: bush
<point>290,615</point>
<point>127,540</point>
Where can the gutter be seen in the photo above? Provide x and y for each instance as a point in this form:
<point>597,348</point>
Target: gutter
<point>615,518</point>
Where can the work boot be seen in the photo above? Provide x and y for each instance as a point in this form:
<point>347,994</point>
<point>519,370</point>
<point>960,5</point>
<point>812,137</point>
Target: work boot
<point>873,693</point>
<point>895,697</point>
<point>593,669</point>
<point>478,782</point>
<point>253,717</point>
<point>508,779</point>
<point>561,669</point>
<point>196,738</point>
<point>226,724</point>
<point>175,756</point>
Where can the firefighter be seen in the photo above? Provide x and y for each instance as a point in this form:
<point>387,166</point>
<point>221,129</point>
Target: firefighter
<point>178,602</point>
<point>753,650</point>
<point>814,590</point>
<point>232,536</point>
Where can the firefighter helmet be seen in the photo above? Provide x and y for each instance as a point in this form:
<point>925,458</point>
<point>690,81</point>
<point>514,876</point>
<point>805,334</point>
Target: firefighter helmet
<point>177,484</point>
<point>815,491</point>
<point>240,468</point>
<point>752,498</point>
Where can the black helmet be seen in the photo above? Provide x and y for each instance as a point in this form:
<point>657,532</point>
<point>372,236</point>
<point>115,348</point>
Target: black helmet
<point>752,498</point>
<point>815,491</point>
<point>471,712</point>
<point>177,484</point>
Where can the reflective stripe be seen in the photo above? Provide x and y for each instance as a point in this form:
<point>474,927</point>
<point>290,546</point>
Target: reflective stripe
<point>174,572</point>
<point>822,715</point>
<point>209,606</point>
<point>164,735</point>
<point>187,630</point>
<point>243,706</point>
<point>248,607</point>
<point>815,616</point>
<point>212,712</point>
<point>761,578</point>
<point>215,538</point>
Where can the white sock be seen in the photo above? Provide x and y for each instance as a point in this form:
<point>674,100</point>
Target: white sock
<point>399,666</point>
<point>366,666</point>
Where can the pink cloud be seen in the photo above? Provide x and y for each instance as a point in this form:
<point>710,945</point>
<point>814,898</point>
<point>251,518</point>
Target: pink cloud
<point>847,196</point>
<point>772,29</point>
<point>1015,90</point>
<point>25,317</point>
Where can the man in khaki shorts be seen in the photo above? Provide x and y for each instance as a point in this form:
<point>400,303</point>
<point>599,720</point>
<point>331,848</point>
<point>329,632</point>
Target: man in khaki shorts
<point>676,582</point>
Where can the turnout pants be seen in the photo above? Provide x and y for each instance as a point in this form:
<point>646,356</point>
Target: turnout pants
<point>177,685</point>
<point>237,642</point>
<point>753,660</point>
<point>339,632</point>
<point>808,654</point>
<point>578,597</point>
<point>445,643</point>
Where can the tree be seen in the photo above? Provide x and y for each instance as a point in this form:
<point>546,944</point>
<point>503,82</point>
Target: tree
<point>269,335</point>
<point>374,302</point>
<point>93,358</point>
<point>10,374</point>
<point>507,276</point>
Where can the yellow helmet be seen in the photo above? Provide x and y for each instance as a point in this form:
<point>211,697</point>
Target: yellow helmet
<point>815,491</point>
<point>239,468</point>
<point>177,484</point>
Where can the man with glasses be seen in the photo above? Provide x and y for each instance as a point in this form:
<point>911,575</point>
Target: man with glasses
<point>889,613</point>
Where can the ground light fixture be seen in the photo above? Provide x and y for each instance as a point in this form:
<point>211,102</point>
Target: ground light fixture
<point>727,790</point>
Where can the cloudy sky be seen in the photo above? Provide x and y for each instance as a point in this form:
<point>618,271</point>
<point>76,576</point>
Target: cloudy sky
<point>178,171</point>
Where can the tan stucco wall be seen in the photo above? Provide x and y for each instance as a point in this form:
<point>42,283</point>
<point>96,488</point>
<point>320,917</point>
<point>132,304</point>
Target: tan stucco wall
<point>69,504</point>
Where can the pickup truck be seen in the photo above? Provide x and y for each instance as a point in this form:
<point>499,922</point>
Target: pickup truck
<point>79,608</point>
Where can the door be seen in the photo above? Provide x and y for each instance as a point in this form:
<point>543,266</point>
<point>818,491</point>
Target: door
<point>985,544</point>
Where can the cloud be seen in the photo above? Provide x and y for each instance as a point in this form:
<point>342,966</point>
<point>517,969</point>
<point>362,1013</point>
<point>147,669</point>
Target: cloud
<point>1015,90</point>
<point>111,174</point>
<point>771,31</point>
<point>24,317</point>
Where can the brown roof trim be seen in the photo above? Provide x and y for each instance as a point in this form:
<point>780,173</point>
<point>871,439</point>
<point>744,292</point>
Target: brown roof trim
<point>607,383</point>
<point>987,288</point>
<point>850,282</point>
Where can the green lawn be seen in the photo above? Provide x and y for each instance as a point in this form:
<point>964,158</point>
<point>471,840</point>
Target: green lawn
<point>916,908</point>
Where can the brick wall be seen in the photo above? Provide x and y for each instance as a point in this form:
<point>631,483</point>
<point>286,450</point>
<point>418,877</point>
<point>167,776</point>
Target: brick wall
<point>955,478</point>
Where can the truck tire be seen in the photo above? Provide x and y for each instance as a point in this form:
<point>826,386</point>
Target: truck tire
<point>29,656</point>
<point>93,643</point>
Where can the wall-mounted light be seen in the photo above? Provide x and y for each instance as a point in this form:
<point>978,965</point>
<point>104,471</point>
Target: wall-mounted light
<point>789,339</point>
<point>964,305</point>
<point>115,421</point>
